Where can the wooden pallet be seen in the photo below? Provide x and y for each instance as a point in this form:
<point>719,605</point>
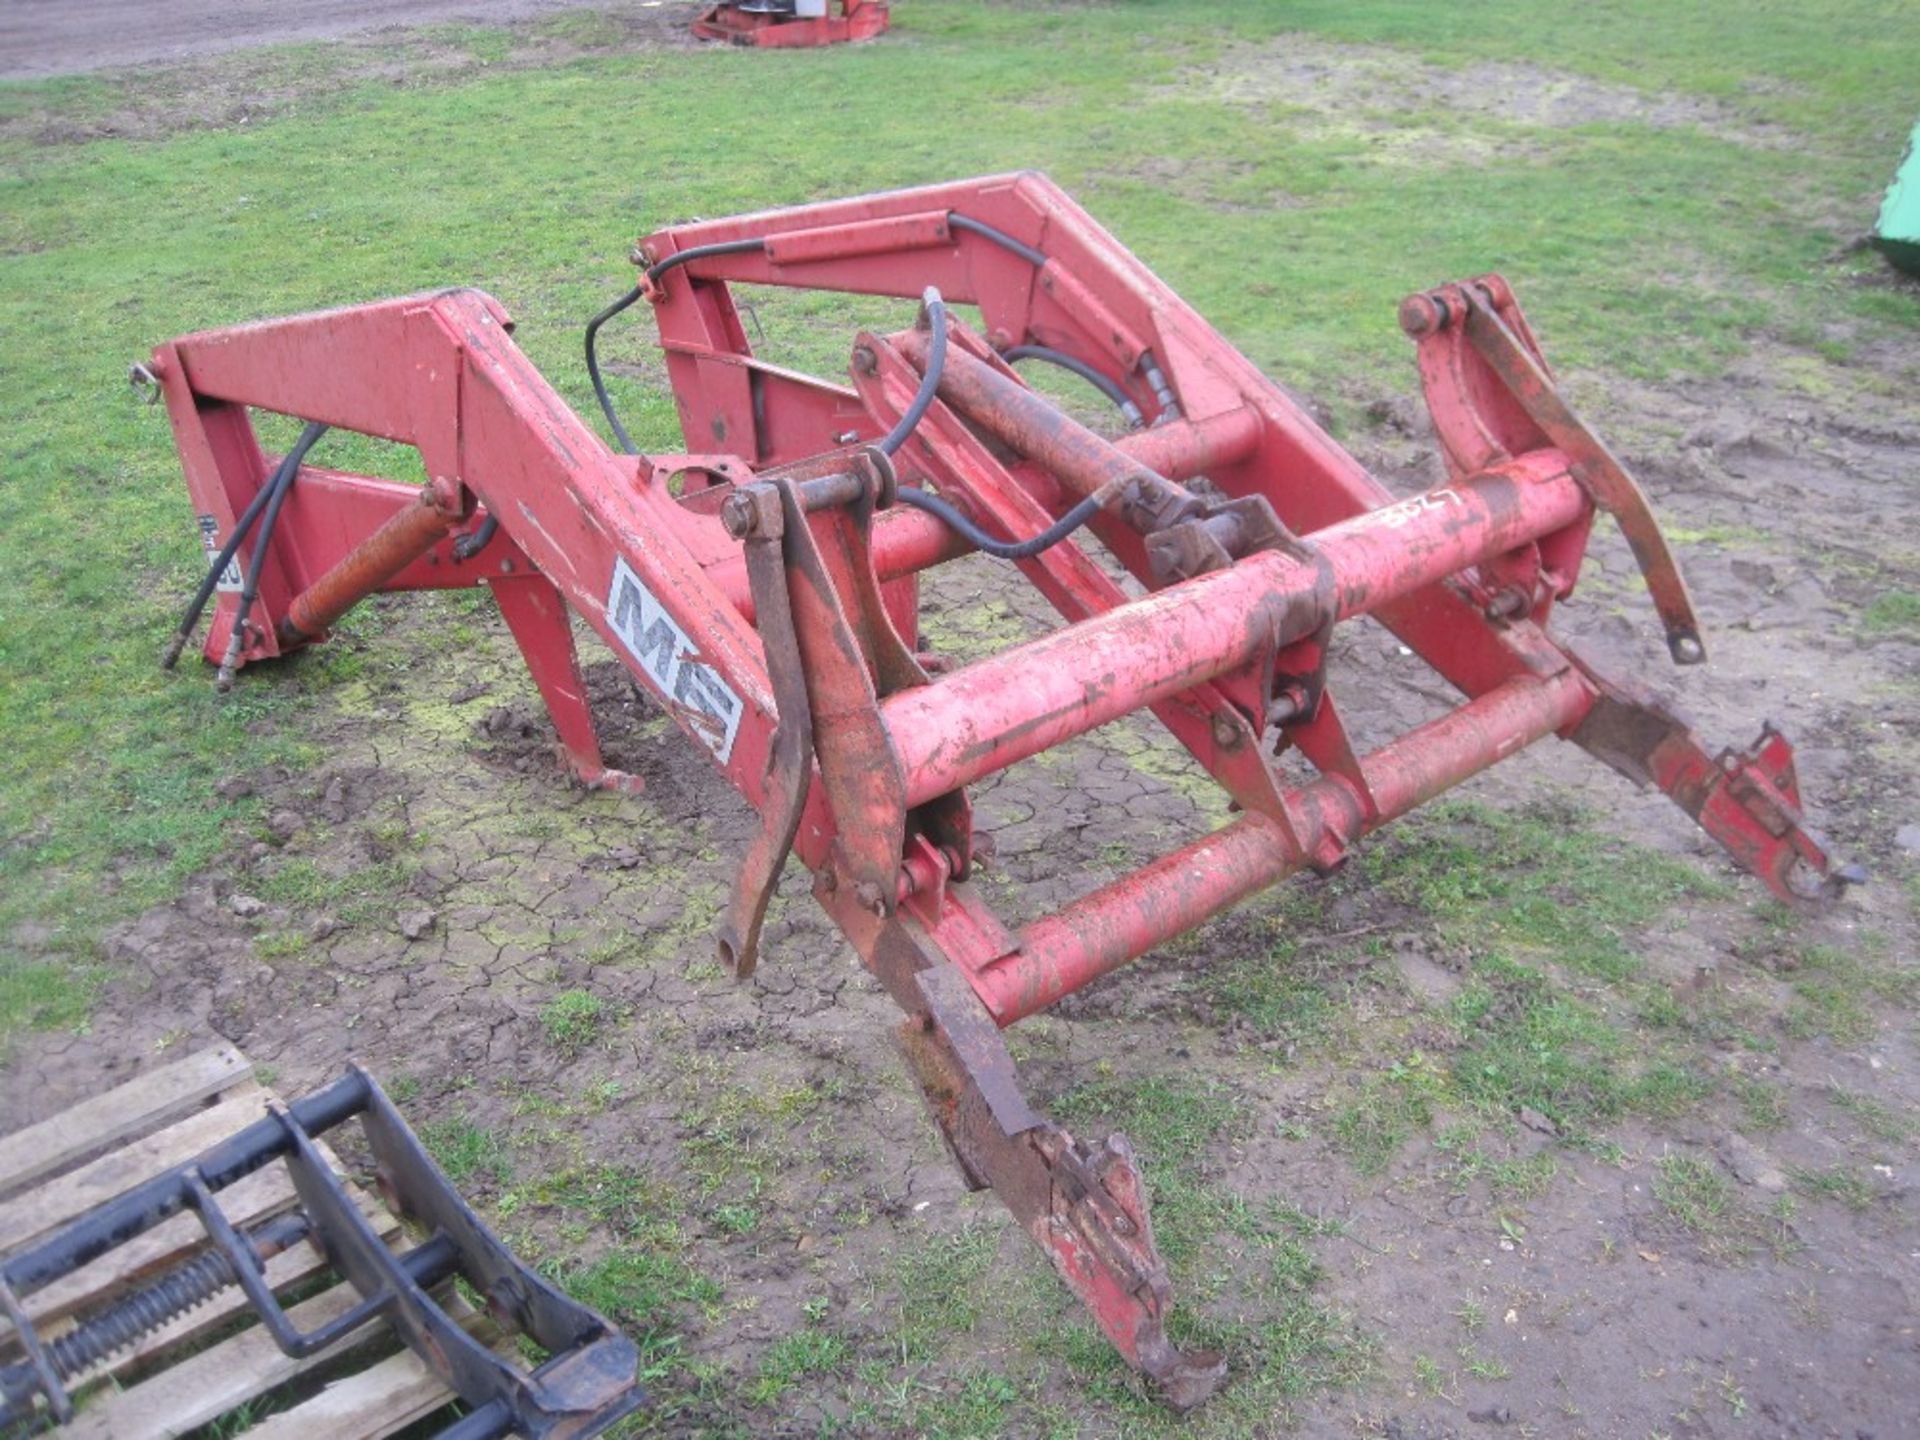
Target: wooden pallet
<point>193,1372</point>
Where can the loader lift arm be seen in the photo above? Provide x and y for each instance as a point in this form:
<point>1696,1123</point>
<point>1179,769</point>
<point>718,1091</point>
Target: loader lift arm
<point>764,593</point>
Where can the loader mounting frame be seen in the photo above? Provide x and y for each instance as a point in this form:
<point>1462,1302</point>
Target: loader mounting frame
<point>762,588</point>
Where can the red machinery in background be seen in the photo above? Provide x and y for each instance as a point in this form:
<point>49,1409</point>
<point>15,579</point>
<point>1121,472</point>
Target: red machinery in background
<point>793,22</point>
<point>762,587</point>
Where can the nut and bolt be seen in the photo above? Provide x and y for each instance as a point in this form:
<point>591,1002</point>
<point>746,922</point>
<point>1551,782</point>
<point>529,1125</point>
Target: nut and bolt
<point>870,899</point>
<point>1226,734</point>
<point>865,361</point>
<point>741,516</point>
<point>1508,603</point>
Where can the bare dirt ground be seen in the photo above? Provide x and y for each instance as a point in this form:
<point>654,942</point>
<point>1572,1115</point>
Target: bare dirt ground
<point>68,37</point>
<point>419,902</point>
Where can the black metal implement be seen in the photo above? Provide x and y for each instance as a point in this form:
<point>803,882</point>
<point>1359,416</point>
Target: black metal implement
<point>587,1384</point>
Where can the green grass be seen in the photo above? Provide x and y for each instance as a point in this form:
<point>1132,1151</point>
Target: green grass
<point>1842,995</point>
<point>1837,1184</point>
<point>1296,234</point>
<point>572,1020</point>
<point>642,1290</point>
<point>1895,613</point>
<point>1538,883</point>
<point>793,1357</point>
<point>1881,1121</point>
<point>468,1151</point>
<point>1695,1193</point>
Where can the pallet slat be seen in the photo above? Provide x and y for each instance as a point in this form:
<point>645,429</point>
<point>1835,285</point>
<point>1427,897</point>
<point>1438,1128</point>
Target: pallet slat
<point>58,1201</point>
<point>372,1404</point>
<point>150,1099</point>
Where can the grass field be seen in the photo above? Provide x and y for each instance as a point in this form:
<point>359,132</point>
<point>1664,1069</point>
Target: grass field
<point>1671,190</point>
<point>1651,250</point>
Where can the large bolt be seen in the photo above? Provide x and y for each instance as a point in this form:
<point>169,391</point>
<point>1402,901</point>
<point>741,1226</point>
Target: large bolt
<point>1226,734</point>
<point>1510,602</point>
<point>864,360</point>
<point>1286,707</point>
<point>1421,315</point>
<point>870,898</point>
<point>741,516</point>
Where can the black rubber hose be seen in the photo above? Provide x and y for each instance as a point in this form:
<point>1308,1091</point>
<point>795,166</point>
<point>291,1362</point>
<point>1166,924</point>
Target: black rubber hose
<point>241,527</point>
<point>701,252</point>
<point>742,247</point>
<point>282,483</point>
<point>1104,383</point>
<point>999,237</point>
<point>930,382</point>
<point>468,546</point>
<point>620,435</point>
<point>932,504</point>
<point>195,607</point>
<point>654,272</point>
<point>1001,549</point>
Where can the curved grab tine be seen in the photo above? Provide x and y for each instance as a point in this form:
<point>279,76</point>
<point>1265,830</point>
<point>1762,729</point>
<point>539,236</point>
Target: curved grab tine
<point>1605,478</point>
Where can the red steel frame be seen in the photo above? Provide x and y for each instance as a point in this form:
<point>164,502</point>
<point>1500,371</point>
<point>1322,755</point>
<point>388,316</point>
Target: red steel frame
<point>764,592</point>
<point>858,20</point>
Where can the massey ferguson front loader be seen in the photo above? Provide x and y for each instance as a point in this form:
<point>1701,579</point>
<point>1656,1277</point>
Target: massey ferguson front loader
<point>762,588</point>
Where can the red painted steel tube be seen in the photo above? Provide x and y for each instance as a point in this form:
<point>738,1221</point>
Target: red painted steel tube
<point>401,540</point>
<point>905,542</point>
<point>1029,424</point>
<point>990,714</point>
<point>1182,449</point>
<point>1102,931</point>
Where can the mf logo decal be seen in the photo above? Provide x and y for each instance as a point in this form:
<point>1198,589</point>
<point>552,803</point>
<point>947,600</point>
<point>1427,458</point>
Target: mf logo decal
<point>210,537</point>
<point>701,699</point>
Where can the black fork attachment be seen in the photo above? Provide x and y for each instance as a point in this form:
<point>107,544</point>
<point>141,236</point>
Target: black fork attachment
<point>588,1382</point>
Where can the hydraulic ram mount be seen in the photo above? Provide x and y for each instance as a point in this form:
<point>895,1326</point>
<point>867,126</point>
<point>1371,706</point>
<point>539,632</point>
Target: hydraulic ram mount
<point>763,589</point>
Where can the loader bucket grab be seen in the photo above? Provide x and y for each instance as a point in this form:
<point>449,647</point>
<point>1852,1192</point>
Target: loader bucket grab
<point>762,588</point>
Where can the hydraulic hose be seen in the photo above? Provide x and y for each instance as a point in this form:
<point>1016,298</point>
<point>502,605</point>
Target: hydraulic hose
<point>468,546</point>
<point>1005,241</point>
<point>940,509</point>
<point>241,529</point>
<point>1100,381</point>
<point>1000,549</point>
<point>930,382</point>
<point>269,518</point>
<point>743,247</point>
<point>923,398</point>
<point>701,252</point>
<point>654,272</point>
<point>593,367</point>
<point>263,499</point>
